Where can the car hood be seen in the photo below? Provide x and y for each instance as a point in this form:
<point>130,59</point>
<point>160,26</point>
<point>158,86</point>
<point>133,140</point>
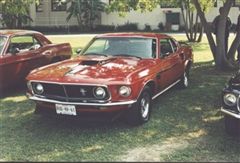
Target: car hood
<point>87,69</point>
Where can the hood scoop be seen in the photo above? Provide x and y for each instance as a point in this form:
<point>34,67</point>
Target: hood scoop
<point>95,62</point>
<point>89,63</point>
<point>85,64</point>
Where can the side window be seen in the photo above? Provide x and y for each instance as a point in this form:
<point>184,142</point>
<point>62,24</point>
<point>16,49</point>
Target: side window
<point>165,47</point>
<point>174,45</point>
<point>20,44</point>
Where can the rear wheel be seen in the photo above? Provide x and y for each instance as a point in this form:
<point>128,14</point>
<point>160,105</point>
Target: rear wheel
<point>140,112</point>
<point>232,125</point>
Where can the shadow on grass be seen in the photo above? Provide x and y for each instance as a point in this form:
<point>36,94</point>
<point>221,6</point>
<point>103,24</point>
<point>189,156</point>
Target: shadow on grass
<point>13,91</point>
<point>188,115</point>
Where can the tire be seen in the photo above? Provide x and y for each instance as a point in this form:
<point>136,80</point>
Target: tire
<point>184,81</point>
<point>232,125</point>
<point>140,112</point>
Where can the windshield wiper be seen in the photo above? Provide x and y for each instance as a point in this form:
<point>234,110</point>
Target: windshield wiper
<point>98,54</point>
<point>128,55</point>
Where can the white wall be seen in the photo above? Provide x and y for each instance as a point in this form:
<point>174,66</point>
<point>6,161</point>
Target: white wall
<point>58,18</point>
<point>51,18</point>
<point>158,15</point>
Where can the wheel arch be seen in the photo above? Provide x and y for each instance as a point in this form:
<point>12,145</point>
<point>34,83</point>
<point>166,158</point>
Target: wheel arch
<point>151,84</point>
<point>188,65</point>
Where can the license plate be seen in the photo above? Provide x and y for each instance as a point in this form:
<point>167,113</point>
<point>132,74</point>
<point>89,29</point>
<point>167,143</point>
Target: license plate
<point>66,109</point>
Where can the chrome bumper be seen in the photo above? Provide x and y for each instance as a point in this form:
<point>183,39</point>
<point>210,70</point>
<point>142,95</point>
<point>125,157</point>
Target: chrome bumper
<point>230,113</point>
<point>109,104</point>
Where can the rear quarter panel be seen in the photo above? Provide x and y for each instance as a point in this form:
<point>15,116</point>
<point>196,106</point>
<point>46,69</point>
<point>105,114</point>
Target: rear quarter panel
<point>63,51</point>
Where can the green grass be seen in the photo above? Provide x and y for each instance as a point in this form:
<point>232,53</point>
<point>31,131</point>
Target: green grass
<point>75,42</point>
<point>186,125</point>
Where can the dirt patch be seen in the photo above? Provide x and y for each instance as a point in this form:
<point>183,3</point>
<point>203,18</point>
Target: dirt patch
<point>155,152</point>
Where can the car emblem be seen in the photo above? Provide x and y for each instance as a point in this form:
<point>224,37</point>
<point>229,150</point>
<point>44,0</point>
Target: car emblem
<point>83,92</point>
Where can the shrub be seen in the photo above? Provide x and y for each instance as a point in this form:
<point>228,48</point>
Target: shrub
<point>104,28</point>
<point>58,29</point>
<point>128,27</point>
<point>147,28</point>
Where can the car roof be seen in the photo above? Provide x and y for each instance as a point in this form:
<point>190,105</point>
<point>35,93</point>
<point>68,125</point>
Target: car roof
<point>11,32</point>
<point>133,34</point>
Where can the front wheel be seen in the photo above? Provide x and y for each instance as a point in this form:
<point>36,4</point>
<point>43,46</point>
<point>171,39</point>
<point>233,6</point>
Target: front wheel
<point>232,125</point>
<point>140,112</point>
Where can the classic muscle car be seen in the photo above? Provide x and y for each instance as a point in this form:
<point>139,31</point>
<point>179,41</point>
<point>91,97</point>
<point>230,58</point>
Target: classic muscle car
<point>22,51</point>
<point>231,105</point>
<point>115,73</point>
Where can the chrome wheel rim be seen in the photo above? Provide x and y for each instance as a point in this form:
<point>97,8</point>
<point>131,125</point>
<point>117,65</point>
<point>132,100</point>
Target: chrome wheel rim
<point>185,80</point>
<point>145,105</point>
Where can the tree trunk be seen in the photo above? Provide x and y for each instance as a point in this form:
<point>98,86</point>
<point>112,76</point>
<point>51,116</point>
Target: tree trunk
<point>235,44</point>
<point>191,27</point>
<point>185,21</point>
<point>218,50</point>
<point>201,30</point>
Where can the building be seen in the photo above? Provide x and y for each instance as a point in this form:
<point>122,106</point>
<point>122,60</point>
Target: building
<point>50,13</point>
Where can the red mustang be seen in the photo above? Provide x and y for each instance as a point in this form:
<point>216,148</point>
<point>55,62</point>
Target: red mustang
<point>22,51</point>
<point>115,73</point>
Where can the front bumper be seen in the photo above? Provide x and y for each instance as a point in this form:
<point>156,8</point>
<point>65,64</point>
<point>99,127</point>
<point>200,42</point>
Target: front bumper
<point>230,113</point>
<point>108,104</point>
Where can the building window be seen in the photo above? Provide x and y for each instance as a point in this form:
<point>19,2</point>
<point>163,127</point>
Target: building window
<point>236,3</point>
<point>39,6</point>
<point>58,5</point>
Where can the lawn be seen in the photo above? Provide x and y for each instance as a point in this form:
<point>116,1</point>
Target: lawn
<point>186,125</point>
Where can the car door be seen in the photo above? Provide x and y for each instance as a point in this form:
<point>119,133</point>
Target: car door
<point>178,60</point>
<point>22,55</point>
<point>170,65</point>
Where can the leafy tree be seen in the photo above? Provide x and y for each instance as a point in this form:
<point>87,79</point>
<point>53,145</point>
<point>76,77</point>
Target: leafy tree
<point>223,59</point>
<point>15,13</point>
<point>86,11</point>
<point>193,29</point>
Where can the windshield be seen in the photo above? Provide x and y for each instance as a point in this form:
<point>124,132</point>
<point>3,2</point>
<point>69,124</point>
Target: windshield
<point>2,43</point>
<point>125,46</point>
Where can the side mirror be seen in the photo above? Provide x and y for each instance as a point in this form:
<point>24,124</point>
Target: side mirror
<point>78,51</point>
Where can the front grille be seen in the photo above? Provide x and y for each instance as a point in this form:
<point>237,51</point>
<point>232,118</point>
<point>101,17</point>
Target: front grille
<point>76,91</point>
<point>53,90</point>
<point>70,93</point>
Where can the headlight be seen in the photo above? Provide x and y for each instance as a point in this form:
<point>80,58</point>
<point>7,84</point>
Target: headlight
<point>125,91</point>
<point>230,99</point>
<point>38,88</point>
<point>100,93</point>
